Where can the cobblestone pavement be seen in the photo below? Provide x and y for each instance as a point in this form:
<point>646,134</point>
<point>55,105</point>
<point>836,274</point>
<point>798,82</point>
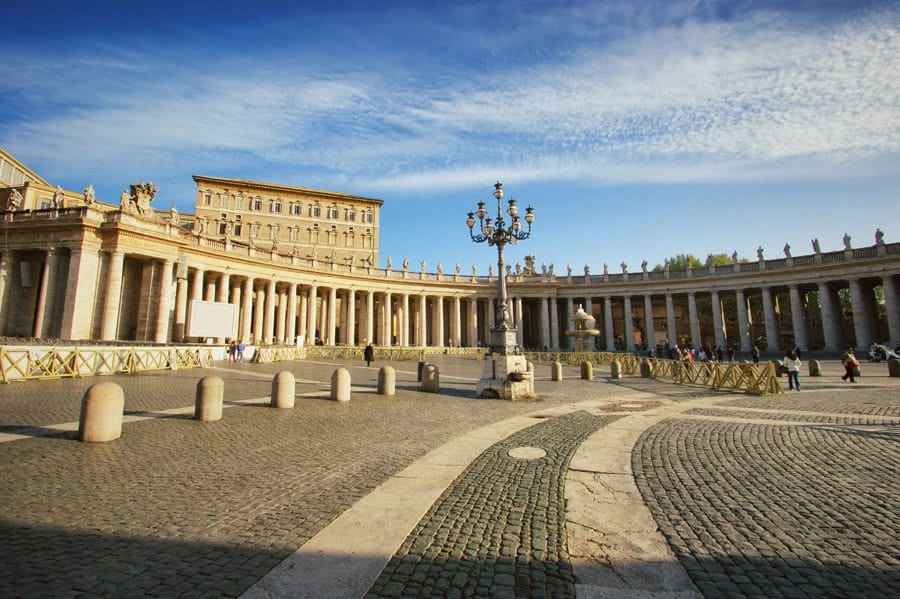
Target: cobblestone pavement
<point>499,529</point>
<point>794,495</point>
<point>776,510</point>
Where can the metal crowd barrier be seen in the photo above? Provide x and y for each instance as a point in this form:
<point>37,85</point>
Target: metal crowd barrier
<point>34,362</point>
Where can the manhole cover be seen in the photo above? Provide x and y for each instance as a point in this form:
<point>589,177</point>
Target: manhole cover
<point>527,453</point>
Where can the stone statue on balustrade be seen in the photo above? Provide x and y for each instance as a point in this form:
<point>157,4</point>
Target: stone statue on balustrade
<point>405,265</point>
<point>624,268</point>
<point>847,245</point>
<point>389,264</point>
<point>58,198</point>
<point>644,265</point>
<point>759,253</point>
<point>815,245</point>
<point>15,200</point>
<point>787,250</point>
<point>89,198</point>
<point>879,237</point>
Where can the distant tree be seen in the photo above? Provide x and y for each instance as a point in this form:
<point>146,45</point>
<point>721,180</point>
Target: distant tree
<point>681,261</point>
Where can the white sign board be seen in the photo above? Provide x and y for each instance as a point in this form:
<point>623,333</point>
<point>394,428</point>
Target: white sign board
<point>212,319</point>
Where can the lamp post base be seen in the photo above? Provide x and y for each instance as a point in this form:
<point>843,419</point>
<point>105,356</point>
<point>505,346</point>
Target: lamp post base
<point>505,377</point>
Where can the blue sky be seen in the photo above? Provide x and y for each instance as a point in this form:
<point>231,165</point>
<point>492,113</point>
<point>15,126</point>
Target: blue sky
<point>637,130</point>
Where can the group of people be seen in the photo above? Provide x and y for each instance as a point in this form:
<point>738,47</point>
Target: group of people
<point>687,353</point>
<point>791,363</point>
<point>234,351</point>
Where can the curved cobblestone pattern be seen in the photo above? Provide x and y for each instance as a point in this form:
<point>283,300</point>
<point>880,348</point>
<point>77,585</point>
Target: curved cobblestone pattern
<point>775,511</point>
<point>875,403</point>
<point>499,529</point>
<point>794,417</point>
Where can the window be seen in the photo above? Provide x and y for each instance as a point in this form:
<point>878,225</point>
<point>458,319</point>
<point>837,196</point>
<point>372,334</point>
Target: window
<point>333,212</point>
<point>257,204</point>
<point>332,235</point>
<point>207,198</point>
<point>295,209</point>
<point>237,225</point>
<point>368,217</point>
<point>314,234</point>
<point>351,215</point>
<point>223,200</point>
<point>276,206</point>
<point>349,237</point>
<point>294,233</point>
<point>223,220</point>
<point>314,211</point>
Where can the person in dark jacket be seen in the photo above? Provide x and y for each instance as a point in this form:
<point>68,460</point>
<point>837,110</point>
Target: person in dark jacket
<point>369,354</point>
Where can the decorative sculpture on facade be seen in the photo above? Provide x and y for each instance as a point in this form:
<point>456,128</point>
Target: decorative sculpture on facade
<point>14,202</point>
<point>847,245</point>
<point>89,198</point>
<point>787,250</point>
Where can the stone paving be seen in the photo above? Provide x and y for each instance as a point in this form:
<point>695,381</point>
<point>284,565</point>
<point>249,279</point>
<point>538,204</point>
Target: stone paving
<point>793,495</point>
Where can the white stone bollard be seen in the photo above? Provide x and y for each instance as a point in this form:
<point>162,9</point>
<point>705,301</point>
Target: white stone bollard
<point>615,370</point>
<point>387,380</point>
<point>556,371</point>
<point>340,385</point>
<point>209,398</point>
<point>102,410</point>
<point>283,390</point>
<point>587,371</point>
<point>431,379</point>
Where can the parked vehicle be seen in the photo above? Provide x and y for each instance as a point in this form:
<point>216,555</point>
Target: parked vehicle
<point>879,352</point>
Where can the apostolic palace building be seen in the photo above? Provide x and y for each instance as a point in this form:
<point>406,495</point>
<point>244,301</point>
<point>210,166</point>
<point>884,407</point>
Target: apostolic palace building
<point>299,264</point>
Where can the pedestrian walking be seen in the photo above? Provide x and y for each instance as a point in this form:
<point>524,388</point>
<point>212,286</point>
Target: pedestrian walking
<point>755,354</point>
<point>240,350</point>
<point>369,354</point>
<point>792,363</point>
<point>850,365</point>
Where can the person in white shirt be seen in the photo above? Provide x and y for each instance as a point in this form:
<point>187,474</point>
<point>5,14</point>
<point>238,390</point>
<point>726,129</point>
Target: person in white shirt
<point>792,363</point>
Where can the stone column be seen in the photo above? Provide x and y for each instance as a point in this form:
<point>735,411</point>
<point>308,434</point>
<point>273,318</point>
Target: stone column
<point>181,289</point>
<point>861,327</point>
<point>649,325</point>
<point>388,319</point>
<point>771,322</point>
<point>567,318</point>
<point>280,317</point>
<point>259,316</point>
<point>744,343</point>
<point>629,325</point>
<point>236,301</point>
<point>421,322</point>
<point>350,335</point>
<point>311,318</point>
<point>472,324</point>
<point>544,341</point>
<point>332,316</point>
<point>7,259</point>
<point>892,307</point>
<point>609,331</point>
<point>44,295</point>
<point>370,316</point>
<point>81,289</point>
<point>695,322</point>
<point>554,323</point>
<point>519,321</point>
<point>671,323</point>
<point>829,322</point>
<point>439,321</point>
<point>456,317</point>
<point>165,298</point>
<point>718,320</point>
<point>269,326</point>
<point>301,315</point>
<point>404,320</point>
<point>209,293</point>
<point>322,325</point>
<point>245,332</point>
<point>797,321</point>
<point>291,329</point>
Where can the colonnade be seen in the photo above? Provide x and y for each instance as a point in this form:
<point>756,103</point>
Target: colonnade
<point>84,292</point>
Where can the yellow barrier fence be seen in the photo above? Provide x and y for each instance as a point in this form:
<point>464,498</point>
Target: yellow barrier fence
<point>29,363</point>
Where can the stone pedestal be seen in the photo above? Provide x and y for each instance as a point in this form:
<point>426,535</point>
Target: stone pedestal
<point>505,377</point>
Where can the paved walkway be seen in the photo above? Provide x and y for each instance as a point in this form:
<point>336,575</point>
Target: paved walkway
<point>629,488</point>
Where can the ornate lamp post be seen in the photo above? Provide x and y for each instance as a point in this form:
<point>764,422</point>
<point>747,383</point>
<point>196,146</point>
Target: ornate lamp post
<point>507,370</point>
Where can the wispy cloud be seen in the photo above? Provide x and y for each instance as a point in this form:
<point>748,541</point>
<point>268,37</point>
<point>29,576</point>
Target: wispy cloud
<point>665,97</point>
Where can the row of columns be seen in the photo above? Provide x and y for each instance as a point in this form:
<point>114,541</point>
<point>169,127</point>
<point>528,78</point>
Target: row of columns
<point>273,311</point>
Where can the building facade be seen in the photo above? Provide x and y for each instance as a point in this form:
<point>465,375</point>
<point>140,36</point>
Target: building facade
<point>81,269</point>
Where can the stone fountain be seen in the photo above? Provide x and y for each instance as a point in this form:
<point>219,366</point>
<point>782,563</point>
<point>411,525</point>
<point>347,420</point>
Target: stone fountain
<point>583,333</point>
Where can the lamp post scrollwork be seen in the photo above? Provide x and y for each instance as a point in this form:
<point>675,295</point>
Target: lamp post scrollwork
<point>497,233</point>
